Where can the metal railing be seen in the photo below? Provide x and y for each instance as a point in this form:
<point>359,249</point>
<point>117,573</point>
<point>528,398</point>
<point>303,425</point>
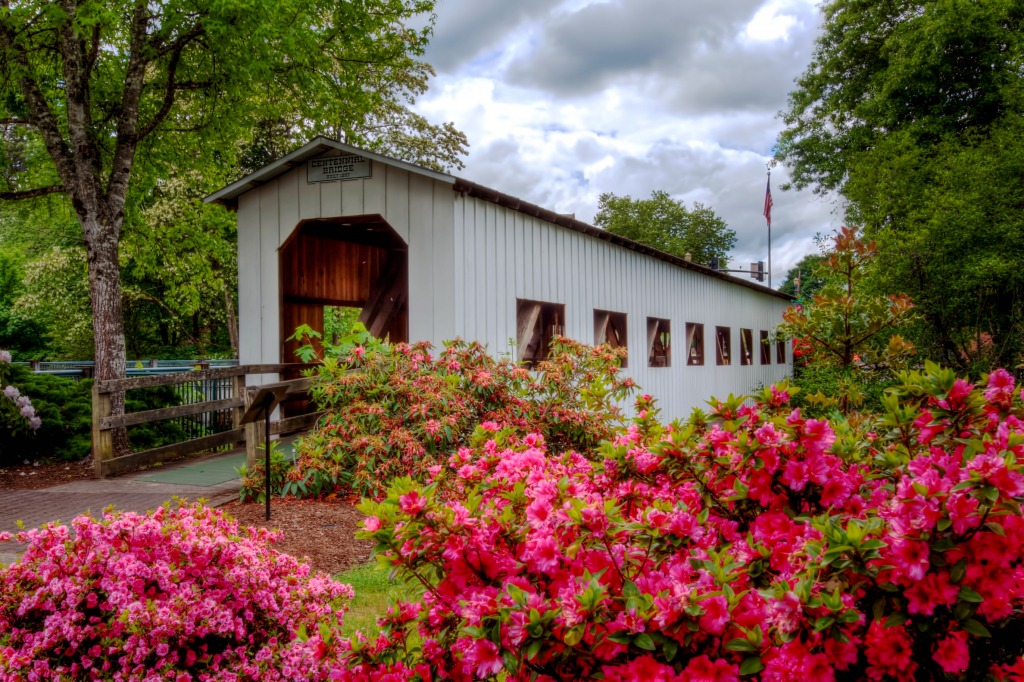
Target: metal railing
<point>77,370</point>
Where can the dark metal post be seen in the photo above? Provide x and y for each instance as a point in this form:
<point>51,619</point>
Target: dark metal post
<point>266,452</point>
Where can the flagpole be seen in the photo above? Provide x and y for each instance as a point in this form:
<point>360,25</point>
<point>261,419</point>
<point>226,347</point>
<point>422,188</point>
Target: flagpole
<point>769,232</point>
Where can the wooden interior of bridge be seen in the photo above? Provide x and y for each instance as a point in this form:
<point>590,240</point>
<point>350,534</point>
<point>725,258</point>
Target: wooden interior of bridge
<point>352,262</point>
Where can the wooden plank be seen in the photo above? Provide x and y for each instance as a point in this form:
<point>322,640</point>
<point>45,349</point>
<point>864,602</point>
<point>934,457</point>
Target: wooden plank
<point>270,240</point>
<point>352,199</point>
<point>238,386</point>
<point>249,277</point>
<point>396,200</point>
<point>374,189</point>
<point>289,208</point>
<point>137,460</point>
<point>163,413</point>
<point>421,259</point>
<point>601,327</point>
<point>330,199</point>
<point>524,331</point>
<point>652,335</point>
<point>102,441</point>
<point>252,432</point>
<point>443,304</point>
<point>293,424</point>
<point>309,196</point>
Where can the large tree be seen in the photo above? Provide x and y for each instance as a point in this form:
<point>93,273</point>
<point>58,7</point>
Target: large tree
<point>914,111</point>
<point>114,88</point>
<point>667,224</point>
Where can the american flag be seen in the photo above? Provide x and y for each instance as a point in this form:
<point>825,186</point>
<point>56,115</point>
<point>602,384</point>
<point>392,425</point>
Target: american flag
<point>768,202</point>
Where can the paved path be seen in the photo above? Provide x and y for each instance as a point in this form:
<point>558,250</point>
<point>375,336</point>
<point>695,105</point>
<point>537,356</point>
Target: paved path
<point>137,492</point>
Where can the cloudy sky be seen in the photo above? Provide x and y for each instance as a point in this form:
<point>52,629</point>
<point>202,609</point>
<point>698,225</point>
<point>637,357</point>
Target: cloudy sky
<point>565,99</point>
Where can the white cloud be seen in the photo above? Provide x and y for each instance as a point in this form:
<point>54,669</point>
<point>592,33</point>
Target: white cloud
<point>562,101</point>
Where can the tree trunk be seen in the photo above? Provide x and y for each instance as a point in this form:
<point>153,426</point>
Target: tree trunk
<point>108,322</point>
<point>229,308</point>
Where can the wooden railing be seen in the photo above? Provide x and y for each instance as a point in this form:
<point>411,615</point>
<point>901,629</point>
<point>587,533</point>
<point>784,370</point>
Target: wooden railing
<point>235,402</point>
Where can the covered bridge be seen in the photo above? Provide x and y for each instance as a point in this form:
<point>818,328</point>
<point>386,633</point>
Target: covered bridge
<point>429,256</point>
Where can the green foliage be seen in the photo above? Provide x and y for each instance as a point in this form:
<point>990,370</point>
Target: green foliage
<point>55,297</point>
<point>65,408</point>
<point>340,322</point>
<point>19,333</point>
<point>949,219</point>
<point>914,111</point>
<point>667,225</point>
<point>825,389</point>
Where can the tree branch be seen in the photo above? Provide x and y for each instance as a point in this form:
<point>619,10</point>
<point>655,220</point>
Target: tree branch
<point>14,121</point>
<point>128,118</point>
<point>42,116</point>
<point>172,87</point>
<point>31,193</point>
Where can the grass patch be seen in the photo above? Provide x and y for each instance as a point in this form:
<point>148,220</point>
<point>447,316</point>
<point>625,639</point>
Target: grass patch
<point>373,591</point>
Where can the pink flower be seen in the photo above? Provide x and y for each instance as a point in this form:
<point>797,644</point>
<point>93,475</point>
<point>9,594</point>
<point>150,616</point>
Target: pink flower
<point>889,652</point>
<point>952,653</point>
<point>1000,388</point>
<point>484,658</point>
<point>703,669</point>
<point>412,503</point>
<point>716,614</point>
<point>910,558</point>
<point>542,554</point>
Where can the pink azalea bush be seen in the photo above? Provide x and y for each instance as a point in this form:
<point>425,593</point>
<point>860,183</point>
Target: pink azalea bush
<point>176,595</point>
<point>751,542</point>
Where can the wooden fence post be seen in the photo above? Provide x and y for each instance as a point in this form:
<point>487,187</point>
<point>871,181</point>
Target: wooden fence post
<point>253,432</point>
<point>238,387</point>
<point>102,439</point>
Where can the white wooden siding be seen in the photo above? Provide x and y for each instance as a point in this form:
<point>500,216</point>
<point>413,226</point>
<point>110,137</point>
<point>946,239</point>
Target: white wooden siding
<point>506,255</point>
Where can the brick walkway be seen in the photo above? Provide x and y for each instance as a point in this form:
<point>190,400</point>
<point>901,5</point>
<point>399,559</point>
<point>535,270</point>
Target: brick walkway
<point>129,493</point>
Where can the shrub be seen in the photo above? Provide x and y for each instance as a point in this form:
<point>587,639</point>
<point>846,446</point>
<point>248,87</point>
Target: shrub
<point>17,413</point>
<point>398,411</point>
<point>753,542</point>
<point>177,595</point>
<point>65,410</point>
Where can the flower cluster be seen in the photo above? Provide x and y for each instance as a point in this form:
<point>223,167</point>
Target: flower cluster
<point>397,410</point>
<point>751,542</point>
<point>16,410</point>
<point>177,594</point>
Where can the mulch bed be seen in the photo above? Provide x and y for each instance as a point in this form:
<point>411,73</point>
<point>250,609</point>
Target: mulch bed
<point>44,474</point>
<point>324,531</point>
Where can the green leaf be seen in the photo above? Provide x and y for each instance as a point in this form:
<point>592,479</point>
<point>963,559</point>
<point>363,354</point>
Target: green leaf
<point>969,595</point>
<point>740,644</point>
<point>976,628</point>
<point>751,666</point>
<point>644,641</point>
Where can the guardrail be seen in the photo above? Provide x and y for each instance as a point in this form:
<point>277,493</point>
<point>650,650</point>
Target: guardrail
<point>85,369</point>
<point>225,397</point>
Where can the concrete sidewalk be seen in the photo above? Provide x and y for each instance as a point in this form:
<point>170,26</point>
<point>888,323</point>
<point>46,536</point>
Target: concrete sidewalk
<point>211,478</point>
